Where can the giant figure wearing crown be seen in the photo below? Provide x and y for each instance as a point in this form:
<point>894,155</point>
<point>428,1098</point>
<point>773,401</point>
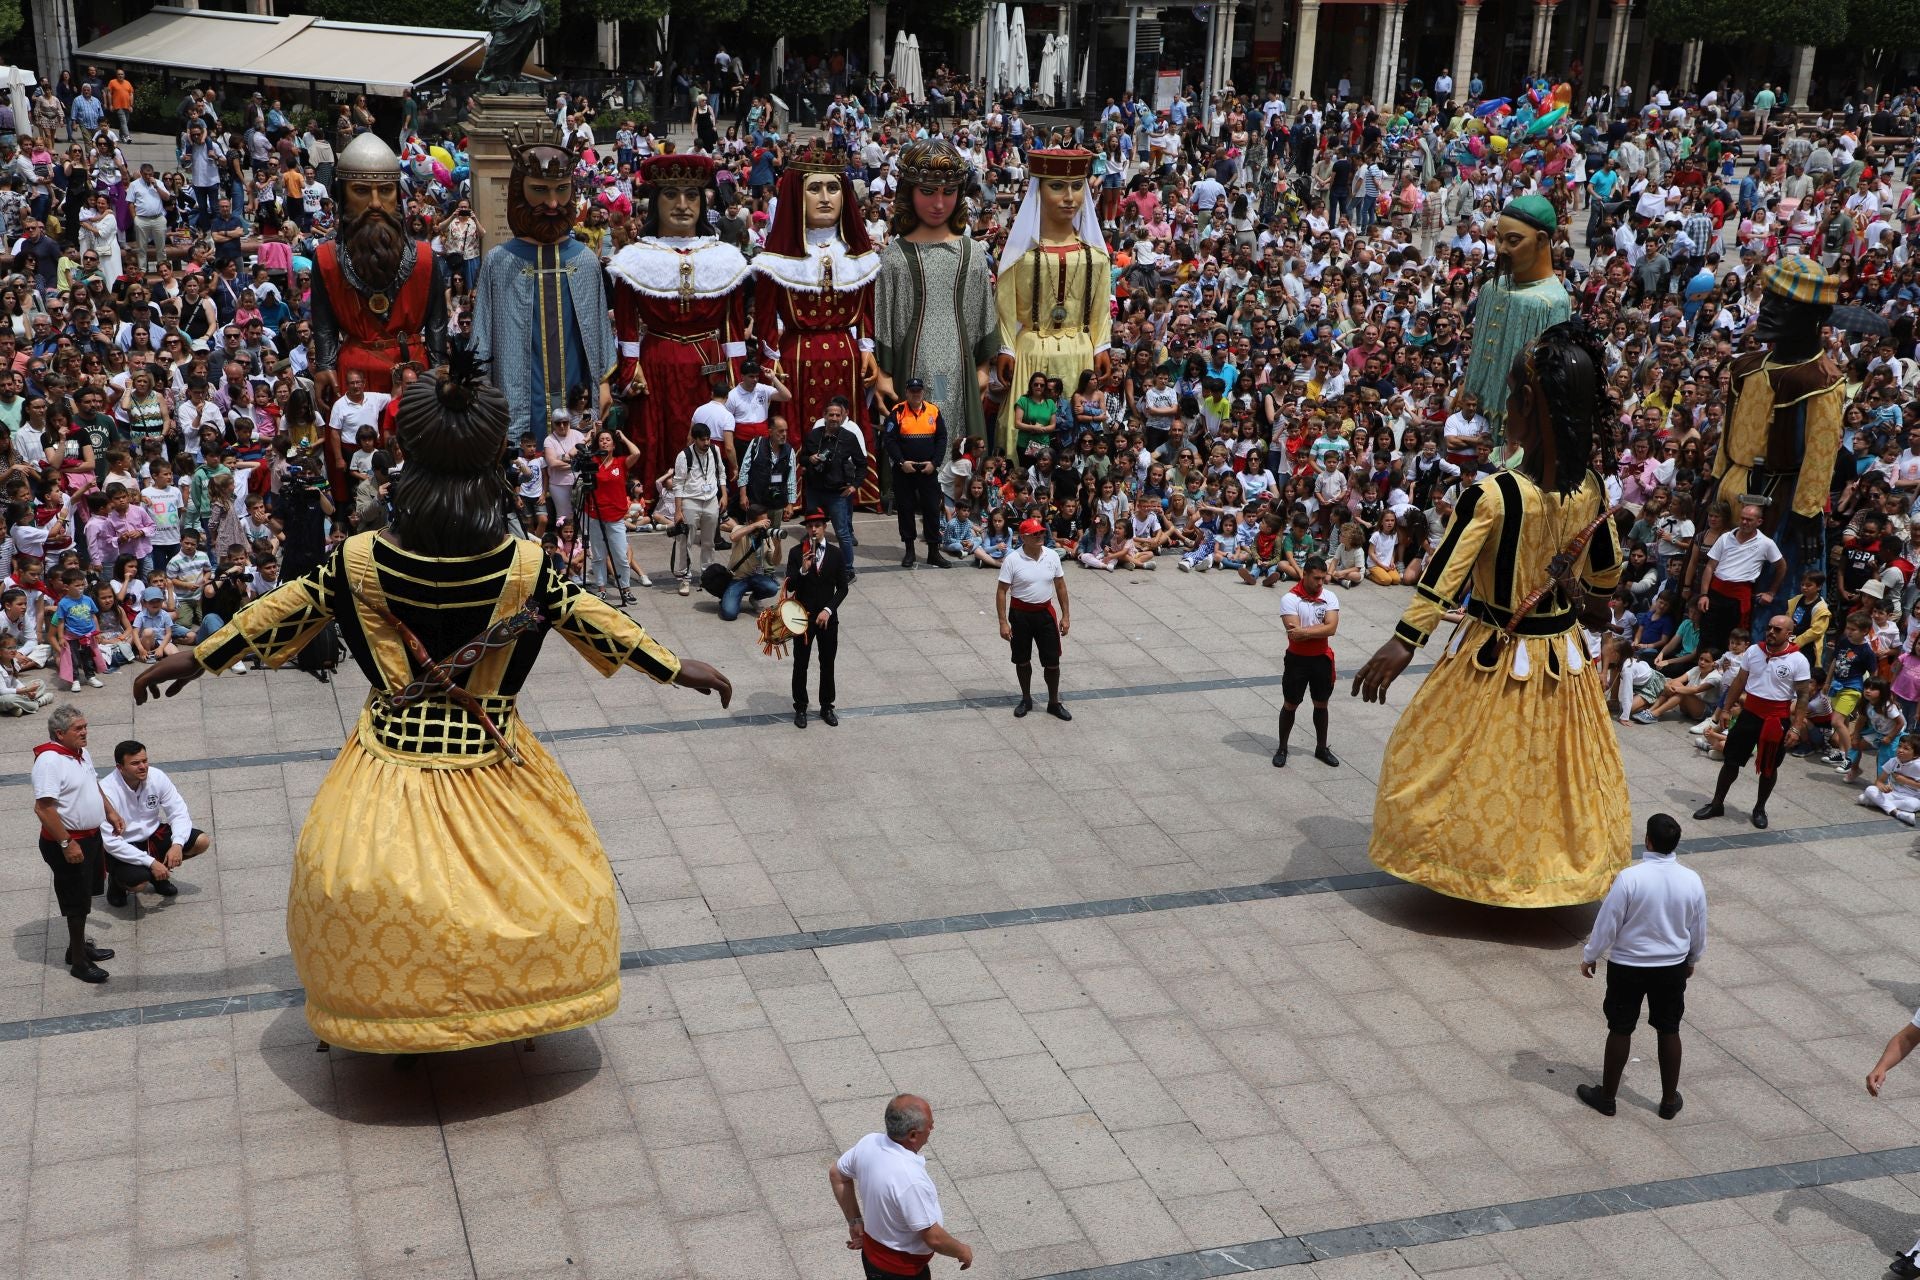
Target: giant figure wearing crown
<point>679,309</point>
<point>813,300</point>
<point>540,305</point>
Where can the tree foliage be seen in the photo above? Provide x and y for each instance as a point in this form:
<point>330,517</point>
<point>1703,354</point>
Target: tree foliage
<point>11,19</point>
<point>937,15</point>
<point>771,19</point>
<point>1880,24</point>
<point>1819,22</point>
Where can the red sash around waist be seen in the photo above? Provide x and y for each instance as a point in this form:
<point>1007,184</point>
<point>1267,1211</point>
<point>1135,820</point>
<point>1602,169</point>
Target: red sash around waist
<point>893,1261</point>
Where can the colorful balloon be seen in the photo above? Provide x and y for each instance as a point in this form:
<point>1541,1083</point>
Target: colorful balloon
<point>1490,106</point>
<point>1546,122</point>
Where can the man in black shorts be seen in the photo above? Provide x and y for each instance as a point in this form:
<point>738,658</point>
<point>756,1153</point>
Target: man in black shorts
<point>72,810</point>
<point>1311,613</point>
<point>1652,928</point>
<point>1031,580</point>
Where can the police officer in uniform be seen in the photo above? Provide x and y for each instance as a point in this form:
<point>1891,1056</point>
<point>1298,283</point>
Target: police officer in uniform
<point>915,440</point>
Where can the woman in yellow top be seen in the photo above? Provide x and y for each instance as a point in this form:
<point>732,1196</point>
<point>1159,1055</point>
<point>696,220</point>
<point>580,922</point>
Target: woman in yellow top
<point>1055,290</point>
<point>1502,782</point>
<point>448,888</point>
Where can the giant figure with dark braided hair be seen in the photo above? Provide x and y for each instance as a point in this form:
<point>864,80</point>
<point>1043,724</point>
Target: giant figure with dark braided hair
<point>1502,782</point>
<point>448,889</point>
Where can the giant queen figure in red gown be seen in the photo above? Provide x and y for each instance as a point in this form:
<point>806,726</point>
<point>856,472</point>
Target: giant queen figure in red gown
<point>813,301</point>
<point>679,310</point>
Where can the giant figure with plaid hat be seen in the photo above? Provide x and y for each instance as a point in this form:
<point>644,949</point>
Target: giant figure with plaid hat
<point>1783,425</point>
<point>1522,300</point>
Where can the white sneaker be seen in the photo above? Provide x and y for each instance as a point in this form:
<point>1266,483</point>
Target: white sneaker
<point>645,581</point>
<point>1702,727</point>
<point>76,686</point>
<point>94,681</point>
<point>1185,567</point>
<point>1904,816</point>
<point>686,588</point>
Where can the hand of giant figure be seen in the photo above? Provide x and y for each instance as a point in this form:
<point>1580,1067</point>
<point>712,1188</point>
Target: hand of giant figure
<point>1055,290</point>
<point>540,304</point>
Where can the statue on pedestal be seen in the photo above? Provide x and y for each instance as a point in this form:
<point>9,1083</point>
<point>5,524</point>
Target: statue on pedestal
<point>1055,290</point>
<point>513,28</point>
<point>540,305</point>
<point>1522,300</point>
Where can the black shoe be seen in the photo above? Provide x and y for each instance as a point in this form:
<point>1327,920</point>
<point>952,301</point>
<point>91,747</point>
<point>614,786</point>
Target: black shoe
<point>627,598</point>
<point>93,953</point>
<point>1668,1110</point>
<point>1591,1095</point>
<point>1021,707</point>
<point>1325,756</point>
<point>1905,1265</point>
<point>1759,819</point>
<point>800,718</point>
<point>829,719</point>
<point>166,888</point>
<point>116,896</point>
<point>852,577</point>
<point>1709,810</point>
<point>937,561</point>
<point>1280,756</point>
<point>88,972</point>
<point>906,561</point>
<point>1059,711</point>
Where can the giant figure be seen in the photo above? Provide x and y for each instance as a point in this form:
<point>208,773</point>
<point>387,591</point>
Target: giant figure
<point>1521,301</point>
<point>448,888</point>
<point>1055,291</point>
<point>1783,428</point>
<point>813,300</point>
<point>379,298</point>
<point>934,316</point>
<point>540,305</point>
<point>679,310</point>
<point>1502,782</point>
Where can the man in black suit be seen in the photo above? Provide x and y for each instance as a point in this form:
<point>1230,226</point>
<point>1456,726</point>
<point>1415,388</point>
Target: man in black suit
<point>817,578</point>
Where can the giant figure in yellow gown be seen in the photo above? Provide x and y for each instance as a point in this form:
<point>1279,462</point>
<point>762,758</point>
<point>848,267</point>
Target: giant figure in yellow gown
<point>1502,782</point>
<point>448,888</point>
<point>1055,292</point>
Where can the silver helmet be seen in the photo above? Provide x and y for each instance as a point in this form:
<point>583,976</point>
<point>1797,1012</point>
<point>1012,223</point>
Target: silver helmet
<point>367,159</point>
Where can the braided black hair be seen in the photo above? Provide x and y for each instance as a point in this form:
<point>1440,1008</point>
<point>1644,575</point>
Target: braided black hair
<point>1570,364</point>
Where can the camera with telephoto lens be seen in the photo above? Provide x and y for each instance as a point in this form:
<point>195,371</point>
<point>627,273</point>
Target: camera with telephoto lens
<point>586,466</point>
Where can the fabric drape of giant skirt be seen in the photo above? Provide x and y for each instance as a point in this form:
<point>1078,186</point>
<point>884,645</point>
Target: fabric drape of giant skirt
<point>1455,813</point>
<point>444,897</point>
<point>1502,781</point>
<point>437,909</point>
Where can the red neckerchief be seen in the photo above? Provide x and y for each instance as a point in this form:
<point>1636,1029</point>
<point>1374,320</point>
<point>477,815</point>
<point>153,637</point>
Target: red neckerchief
<point>1789,647</point>
<point>1299,589</point>
<point>45,747</point>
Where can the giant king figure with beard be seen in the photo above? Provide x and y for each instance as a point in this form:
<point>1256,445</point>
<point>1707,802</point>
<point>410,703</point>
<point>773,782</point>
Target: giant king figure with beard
<point>540,307</point>
<point>1522,300</point>
<point>679,310</point>
<point>379,299</point>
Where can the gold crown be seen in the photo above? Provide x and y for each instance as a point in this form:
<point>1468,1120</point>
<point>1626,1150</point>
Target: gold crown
<point>819,156</point>
<point>1064,162</point>
<point>687,170</point>
<point>934,162</point>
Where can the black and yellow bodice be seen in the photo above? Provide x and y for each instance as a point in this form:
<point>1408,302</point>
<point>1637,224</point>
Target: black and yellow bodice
<point>369,582</point>
<point>1496,552</point>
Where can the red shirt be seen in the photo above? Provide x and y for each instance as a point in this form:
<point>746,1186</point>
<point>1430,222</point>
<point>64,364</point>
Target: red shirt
<point>610,491</point>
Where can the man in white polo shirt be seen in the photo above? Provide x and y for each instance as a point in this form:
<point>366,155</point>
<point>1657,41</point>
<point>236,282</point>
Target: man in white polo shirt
<point>72,808</point>
<point>889,1200</point>
<point>1653,929</point>
<point>1734,565</point>
<point>1771,688</point>
<point>1311,614</point>
<point>1031,579</point>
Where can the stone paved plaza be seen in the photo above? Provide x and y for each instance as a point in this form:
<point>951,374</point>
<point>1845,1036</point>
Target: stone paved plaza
<point>1162,1005</point>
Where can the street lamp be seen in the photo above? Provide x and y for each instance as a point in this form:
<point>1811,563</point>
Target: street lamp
<point>1266,13</point>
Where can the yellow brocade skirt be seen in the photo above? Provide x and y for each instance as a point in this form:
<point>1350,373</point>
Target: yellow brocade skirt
<point>448,908</point>
<point>1502,782</point>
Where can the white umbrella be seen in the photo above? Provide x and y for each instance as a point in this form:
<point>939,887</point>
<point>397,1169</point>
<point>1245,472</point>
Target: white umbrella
<point>898,65</point>
<point>917,83</point>
<point>1085,59</point>
<point>1019,70</point>
<point>997,72</point>
<point>1063,69</point>
<point>17,82</point>
<point>1049,71</point>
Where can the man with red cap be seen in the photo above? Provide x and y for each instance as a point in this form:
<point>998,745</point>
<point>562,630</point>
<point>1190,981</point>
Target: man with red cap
<point>1031,579</point>
<point>817,578</point>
